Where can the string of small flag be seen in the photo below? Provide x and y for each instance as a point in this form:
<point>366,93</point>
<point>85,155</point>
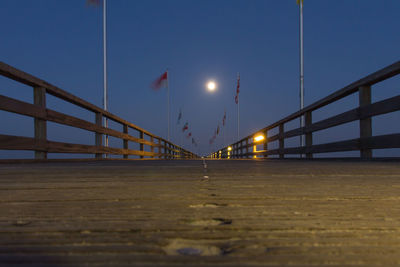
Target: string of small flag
<point>186,128</point>
<point>217,130</point>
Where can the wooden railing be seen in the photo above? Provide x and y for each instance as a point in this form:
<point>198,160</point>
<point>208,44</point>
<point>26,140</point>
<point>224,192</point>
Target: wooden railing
<point>247,147</point>
<point>159,147</point>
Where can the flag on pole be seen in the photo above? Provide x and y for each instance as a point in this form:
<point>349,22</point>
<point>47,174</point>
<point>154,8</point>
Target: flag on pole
<point>179,116</point>
<point>160,82</point>
<point>185,127</point>
<point>224,119</point>
<point>189,135</point>
<point>237,89</point>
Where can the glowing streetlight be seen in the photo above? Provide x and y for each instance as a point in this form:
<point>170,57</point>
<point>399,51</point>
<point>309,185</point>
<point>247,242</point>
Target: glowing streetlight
<point>229,152</point>
<point>257,138</point>
<point>211,86</point>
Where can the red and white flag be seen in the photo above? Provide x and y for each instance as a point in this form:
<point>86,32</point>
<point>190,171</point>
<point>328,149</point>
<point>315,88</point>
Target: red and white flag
<point>160,82</point>
<point>237,89</point>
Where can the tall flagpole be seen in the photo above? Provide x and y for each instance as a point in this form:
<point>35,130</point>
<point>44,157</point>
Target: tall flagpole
<point>105,97</point>
<point>224,144</point>
<point>301,71</point>
<point>238,117</point>
<point>168,103</point>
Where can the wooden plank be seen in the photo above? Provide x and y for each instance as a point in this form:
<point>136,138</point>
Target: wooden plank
<point>22,108</point>
<point>374,142</point>
<point>381,142</point>
<point>269,213</point>
<point>382,107</point>
<point>58,147</point>
<point>82,124</point>
<point>348,145</point>
<point>9,142</point>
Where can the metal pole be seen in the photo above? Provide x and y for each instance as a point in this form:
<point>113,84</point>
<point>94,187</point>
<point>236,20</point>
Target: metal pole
<point>223,126</point>
<point>301,70</point>
<point>168,103</point>
<point>105,99</point>
<point>238,117</point>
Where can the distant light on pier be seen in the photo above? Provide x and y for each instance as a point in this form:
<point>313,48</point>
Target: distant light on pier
<point>259,138</point>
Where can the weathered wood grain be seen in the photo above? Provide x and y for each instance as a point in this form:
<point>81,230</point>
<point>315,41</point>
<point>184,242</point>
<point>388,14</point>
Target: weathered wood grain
<point>165,213</point>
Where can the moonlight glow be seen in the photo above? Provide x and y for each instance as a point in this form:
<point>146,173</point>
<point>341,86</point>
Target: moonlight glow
<point>211,86</point>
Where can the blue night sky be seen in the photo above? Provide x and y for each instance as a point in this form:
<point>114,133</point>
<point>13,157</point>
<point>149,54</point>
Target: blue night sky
<point>197,40</point>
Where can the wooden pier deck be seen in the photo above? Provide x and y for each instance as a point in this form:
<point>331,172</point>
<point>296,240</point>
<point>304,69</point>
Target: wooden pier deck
<point>157,212</point>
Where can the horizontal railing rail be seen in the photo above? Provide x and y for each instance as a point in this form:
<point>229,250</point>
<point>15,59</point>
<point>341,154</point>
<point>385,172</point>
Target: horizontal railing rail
<point>247,147</point>
<point>41,114</point>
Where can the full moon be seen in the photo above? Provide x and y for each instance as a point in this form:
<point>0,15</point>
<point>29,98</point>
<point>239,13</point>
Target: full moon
<point>211,86</point>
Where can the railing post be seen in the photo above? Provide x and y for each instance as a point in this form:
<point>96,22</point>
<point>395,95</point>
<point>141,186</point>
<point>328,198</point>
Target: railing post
<point>125,143</point>
<point>159,148</point>
<point>266,143</point>
<point>309,141</point>
<point>39,99</point>
<point>281,141</point>
<point>152,147</point>
<point>98,136</point>
<point>141,134</point>
<point>247,148</point>
<point>364,93</point>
